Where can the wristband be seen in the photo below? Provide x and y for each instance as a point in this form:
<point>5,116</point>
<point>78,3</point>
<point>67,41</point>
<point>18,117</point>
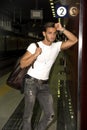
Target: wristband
<point>62,31</point>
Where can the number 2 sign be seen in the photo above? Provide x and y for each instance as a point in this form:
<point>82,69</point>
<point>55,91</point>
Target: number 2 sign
<point>65,11</point>
<point>61,11</point>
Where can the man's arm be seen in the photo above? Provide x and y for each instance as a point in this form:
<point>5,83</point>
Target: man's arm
<point>72,39</point>
<point>29,58</point>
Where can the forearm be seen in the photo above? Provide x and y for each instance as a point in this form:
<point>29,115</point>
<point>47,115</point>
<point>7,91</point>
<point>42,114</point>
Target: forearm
<point>69,35</point>
<point>72,39</point>
<point>24,62</point>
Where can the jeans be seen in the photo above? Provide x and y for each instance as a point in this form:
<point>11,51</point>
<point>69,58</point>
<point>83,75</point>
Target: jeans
<point>34,89</point>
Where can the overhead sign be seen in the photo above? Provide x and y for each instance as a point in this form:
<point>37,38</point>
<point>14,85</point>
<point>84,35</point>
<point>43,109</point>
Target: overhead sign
<point>61,11</point>
<point>66,11</point>
<point>36,14</point>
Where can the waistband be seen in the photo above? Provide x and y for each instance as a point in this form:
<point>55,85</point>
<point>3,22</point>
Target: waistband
<point>38,80</point>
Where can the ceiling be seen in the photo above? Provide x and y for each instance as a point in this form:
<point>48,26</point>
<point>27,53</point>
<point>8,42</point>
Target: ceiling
<point>20,9</point>
<point>19,12</point>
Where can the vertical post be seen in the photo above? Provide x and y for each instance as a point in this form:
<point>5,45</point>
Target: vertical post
<point>79,66</point>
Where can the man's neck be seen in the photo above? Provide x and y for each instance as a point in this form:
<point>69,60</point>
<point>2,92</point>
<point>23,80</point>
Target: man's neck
<point>46,42</point>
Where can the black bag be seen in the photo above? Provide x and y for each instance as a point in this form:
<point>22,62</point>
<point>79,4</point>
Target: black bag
<point>16,77</point>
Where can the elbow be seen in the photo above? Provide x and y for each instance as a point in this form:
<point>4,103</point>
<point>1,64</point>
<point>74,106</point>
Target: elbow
<point>75,40</point>
<point>21,64</point>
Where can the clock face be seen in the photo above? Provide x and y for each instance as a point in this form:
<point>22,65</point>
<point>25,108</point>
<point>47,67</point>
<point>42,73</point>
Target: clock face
<point>73,11</point>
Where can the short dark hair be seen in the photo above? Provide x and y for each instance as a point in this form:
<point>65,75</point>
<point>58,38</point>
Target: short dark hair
<point>48,25</point>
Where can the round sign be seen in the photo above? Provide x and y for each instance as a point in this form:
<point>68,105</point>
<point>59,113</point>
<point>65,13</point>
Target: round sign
<point>73,11</point>
<point>61,11</point>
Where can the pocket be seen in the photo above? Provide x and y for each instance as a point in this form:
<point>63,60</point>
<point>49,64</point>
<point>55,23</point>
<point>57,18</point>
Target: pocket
<point>44,87</point>
<point>29,81</point>
<point>29,85</point>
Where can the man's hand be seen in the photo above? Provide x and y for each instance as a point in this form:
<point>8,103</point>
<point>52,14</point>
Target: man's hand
<point>59,27</point>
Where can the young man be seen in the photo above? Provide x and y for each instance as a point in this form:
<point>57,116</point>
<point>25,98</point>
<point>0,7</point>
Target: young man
<point>36,81</point>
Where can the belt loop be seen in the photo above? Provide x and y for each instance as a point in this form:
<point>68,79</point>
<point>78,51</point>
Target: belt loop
<point>27,76</point>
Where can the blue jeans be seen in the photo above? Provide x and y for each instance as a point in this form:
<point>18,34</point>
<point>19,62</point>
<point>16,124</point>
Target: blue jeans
<point>34,89</point>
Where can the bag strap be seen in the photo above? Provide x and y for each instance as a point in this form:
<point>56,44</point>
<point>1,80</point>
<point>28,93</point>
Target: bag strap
<point>37,47</point>
<point>36,44</point>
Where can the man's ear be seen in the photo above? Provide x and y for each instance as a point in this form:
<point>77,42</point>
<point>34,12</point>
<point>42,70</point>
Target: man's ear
<point>43,33</point>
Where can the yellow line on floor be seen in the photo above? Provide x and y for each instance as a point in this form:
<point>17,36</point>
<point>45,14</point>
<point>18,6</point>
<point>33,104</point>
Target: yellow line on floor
<point>5,89</point>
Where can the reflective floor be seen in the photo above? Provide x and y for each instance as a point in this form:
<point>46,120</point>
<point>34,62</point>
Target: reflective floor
<point>66,118</point>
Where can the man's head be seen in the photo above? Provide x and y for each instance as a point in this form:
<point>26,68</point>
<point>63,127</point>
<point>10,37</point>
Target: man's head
<point>49,32</point>
<point>48,25</point>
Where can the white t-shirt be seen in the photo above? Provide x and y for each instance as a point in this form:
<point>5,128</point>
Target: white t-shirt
<point>45,60</point>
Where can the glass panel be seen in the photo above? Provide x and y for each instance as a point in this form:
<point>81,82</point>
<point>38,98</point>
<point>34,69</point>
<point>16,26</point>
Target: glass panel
<point>68,89</point>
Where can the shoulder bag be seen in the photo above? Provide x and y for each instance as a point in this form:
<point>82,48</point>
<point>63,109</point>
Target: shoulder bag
<point>16,77</point>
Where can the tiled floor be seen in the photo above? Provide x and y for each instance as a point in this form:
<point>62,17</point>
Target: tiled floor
<point>9,99</point>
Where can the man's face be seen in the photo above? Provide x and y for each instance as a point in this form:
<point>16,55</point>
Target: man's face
<point>50,34</point>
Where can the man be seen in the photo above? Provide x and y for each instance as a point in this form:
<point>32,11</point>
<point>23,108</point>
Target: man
<point>36,81</point>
